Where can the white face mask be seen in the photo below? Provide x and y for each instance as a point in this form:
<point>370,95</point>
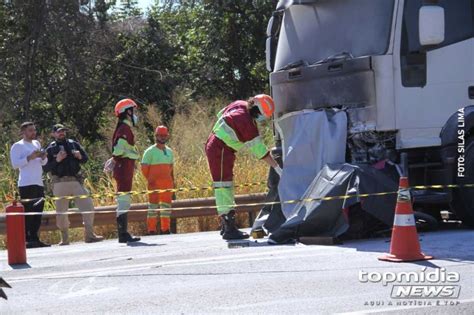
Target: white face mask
<point>260,118</point>
<point>135,119</point>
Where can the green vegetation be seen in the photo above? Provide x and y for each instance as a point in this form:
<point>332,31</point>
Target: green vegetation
<point>181,61</point>
<point>69,63</point>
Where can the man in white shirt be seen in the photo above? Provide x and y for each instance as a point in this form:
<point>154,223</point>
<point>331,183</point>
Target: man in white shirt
<point>27,156</point>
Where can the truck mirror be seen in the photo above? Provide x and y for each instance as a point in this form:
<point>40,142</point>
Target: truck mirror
<point>269,44</point>
<point>284,4</point>
<point>273,32</point>
<point>270,26</point>
<point>431,25</point>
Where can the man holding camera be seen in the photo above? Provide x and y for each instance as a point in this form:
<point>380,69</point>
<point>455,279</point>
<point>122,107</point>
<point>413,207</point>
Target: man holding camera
<point>65,157</point>
<point>27,156</point>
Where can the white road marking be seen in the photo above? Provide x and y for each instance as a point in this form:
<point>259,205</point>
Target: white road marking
<point>77,289</point>
<point>134,267</point>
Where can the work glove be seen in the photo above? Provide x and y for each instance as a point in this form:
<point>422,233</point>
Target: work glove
<point>109,165</point>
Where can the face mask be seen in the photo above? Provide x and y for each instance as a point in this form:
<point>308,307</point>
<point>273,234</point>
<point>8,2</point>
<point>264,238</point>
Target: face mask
<point>260,118</point>
<point>135,119</point>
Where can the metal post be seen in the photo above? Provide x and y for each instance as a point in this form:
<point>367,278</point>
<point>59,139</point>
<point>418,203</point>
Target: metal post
<point>404,162</point>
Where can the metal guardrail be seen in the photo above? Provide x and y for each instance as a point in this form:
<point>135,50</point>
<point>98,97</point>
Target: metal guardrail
<point>48,221</point>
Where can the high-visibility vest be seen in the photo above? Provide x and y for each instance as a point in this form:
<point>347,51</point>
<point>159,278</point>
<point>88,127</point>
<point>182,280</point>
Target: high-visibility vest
<point>157,167</point>
<point>224,132</point>
<point>125,147</point>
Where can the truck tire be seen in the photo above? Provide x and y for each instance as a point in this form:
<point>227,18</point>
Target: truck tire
<point>425,221</point>
<point>462,204</point>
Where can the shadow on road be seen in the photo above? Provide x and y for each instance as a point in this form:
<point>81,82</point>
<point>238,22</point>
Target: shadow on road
<point>254,243</point>
<point>143,244</point>
<point>447,245</point>
<point>21,266</point>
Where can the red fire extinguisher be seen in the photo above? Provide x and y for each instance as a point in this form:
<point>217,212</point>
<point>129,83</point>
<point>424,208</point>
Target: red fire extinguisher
<point>16,234</point>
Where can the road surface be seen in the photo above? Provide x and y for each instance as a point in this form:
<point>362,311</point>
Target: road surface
<point>198,274</point>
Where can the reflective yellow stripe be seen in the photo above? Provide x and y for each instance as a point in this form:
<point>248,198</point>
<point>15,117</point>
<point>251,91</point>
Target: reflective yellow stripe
<point>124,149</point>
<point>257,147</point>
<point>152,213</point>
<point>223,184</point>
<point>227,134</point>
<point>219,114</point>
<point>165,213</point>
<point>224,200</point>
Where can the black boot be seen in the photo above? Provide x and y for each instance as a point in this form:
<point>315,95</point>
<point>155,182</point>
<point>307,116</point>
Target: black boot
<point>230,229</point>
<point>222,224</point>
<point>123,235</point>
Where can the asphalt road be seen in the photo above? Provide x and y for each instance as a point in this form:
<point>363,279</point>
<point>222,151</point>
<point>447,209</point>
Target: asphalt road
<point>197,273</point>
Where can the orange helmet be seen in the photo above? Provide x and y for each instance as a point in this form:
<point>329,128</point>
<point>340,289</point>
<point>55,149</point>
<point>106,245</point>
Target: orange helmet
<point>265,104</point>
<point>161,131</point>
<point>123,105</point>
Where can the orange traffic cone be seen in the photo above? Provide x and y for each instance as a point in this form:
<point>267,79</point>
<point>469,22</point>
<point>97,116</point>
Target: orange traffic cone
<point>404,245</point>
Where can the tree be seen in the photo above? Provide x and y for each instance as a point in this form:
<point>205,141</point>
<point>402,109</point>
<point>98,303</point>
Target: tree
<point>142,66</point>
<point>100,9</point>
<point>221,44</point>
<point>48,73</point>
<point>128,9</point>
<point>69,61</point>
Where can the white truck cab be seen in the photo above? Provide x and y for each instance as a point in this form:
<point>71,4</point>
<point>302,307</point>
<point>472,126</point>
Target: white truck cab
<point>401,69</point>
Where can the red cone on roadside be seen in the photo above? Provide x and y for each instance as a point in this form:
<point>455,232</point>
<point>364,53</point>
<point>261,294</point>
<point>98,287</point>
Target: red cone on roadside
<point>404,245</point>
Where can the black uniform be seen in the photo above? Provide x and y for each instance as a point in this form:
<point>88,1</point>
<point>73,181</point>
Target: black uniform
<point>70,166</point>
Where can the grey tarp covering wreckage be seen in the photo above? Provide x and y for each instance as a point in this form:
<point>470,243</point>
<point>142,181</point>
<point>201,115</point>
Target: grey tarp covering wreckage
<point>313,152</point>
<point>328,217</point>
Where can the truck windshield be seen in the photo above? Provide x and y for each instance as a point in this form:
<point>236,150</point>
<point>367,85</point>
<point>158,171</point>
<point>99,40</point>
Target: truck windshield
<point>315,32</point>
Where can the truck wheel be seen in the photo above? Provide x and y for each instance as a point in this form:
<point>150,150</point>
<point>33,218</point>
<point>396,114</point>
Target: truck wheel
<point>425,221</point>
<point>462,204</point>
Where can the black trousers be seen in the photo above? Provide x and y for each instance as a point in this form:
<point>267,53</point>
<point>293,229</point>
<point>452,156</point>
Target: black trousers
<point>32,222</point>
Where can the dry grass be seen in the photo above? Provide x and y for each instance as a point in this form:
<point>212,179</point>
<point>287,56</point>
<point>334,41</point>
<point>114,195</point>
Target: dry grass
<point>189,130</point>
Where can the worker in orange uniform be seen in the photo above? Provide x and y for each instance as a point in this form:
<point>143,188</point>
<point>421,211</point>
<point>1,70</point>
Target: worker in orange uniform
<point>157,167</point>
<point>236,127</point>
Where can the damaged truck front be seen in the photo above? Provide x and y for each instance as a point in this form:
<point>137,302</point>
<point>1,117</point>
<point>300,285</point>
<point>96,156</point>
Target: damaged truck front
<point>401,72</point>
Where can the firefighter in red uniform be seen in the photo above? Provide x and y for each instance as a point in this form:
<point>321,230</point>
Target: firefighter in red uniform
<point>124,154</point>
<point>235,128</point>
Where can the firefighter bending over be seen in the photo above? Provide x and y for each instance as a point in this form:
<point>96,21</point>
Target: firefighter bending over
<point>235,128</point>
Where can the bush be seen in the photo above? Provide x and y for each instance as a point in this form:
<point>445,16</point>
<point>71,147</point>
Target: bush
<point>189,129</point>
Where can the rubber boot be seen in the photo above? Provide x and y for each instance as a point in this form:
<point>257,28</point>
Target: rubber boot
<point>123,235</point>
<point>64,238</point>
<point>222,225</point>
<point>230,229</point>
